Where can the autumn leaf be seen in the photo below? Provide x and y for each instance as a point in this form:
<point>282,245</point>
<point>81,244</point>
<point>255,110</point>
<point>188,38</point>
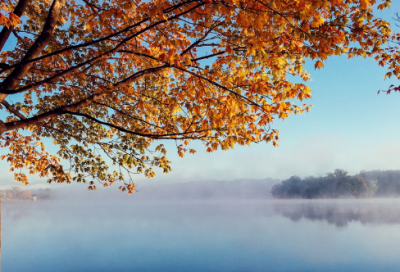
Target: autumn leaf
<point>319,65</point>
<point>364,4</point>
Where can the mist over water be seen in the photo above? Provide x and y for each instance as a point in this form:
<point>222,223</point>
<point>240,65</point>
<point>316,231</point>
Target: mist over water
<point>152,231</point>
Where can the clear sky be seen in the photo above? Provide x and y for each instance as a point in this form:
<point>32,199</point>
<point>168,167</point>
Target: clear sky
<point>348,127</point>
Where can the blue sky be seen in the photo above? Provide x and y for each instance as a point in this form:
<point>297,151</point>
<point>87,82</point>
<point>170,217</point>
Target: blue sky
<point>348,127</point>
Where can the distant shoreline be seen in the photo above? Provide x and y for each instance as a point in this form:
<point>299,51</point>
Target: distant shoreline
<point>7,200</point>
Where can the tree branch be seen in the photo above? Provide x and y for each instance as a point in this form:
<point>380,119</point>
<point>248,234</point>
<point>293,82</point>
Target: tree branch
<point>137,54</point>
<point>221,87</point>
<point>50,114</point>
<point>199,40</point>
<point>209,56</point>
<point>41,42</point>
<point>153,136</point>
<point>5,33</point>
<point>126,114</point>
<point>11,109</point>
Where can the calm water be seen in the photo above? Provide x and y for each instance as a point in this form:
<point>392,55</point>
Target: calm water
<point>130,234</point>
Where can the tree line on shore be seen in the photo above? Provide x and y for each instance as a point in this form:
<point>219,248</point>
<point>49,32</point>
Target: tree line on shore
<point>17,193</point>
<point>340,184</point>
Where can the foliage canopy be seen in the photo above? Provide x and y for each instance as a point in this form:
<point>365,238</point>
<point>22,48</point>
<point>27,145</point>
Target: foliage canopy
<point>105,79</point>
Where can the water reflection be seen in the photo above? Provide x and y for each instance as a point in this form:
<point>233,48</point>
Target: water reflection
<point>16,211</point>
<point>115,234</point>
<point>342,212</point>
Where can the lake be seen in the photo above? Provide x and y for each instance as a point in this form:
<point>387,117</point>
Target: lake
<point>133,234</point>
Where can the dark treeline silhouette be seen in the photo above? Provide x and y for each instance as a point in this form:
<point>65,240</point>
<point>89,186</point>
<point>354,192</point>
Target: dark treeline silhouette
<point>340,184</point>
